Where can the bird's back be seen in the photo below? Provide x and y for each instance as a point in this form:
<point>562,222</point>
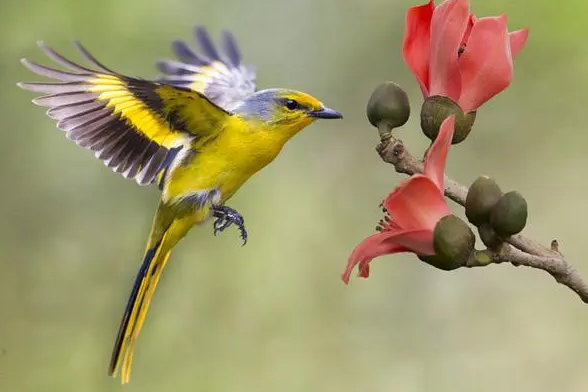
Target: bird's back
<point>240,150</point>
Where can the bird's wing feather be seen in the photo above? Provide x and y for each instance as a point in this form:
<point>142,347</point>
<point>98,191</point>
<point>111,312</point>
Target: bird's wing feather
<point>222,77</point>
<point>134,126</point>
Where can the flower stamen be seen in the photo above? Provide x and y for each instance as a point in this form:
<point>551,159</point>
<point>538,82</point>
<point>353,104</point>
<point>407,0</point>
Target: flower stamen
<point>386,222</point>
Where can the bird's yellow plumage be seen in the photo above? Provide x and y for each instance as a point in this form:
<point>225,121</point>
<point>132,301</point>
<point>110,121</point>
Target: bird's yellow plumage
<point>199,133</point>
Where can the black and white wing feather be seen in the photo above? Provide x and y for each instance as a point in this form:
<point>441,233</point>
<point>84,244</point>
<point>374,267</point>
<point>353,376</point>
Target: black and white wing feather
<point>220,75</point>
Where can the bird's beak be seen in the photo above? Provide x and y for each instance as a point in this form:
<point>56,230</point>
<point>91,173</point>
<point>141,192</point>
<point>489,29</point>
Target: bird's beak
<point>325,113</point>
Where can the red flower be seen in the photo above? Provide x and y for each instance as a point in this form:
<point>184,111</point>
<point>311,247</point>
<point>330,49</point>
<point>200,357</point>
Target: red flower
<point>456,55</point>
<point>412,211</point>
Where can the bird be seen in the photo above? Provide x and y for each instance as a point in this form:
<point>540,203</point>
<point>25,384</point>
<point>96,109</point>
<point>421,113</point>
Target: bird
<point>198,132</point>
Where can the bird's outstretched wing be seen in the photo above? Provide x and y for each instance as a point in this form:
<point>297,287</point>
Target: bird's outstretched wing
<point>134,126</point>
<point>222,77</point>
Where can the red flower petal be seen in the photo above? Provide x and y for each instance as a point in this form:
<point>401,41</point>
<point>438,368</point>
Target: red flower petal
<point>385,243</point>
<point>518,39</point>
<point>486,65</point>
<point>448,26</point>
<point>437,154</point>
<point>419,242</point>
<point>417,204</point>
<point>417,42</point>
<point>373,246</point>
<point>471,22</point>
<point>363,271</point>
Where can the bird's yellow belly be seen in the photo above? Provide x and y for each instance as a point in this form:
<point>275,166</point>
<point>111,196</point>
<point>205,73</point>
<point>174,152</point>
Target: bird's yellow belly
<point>225,164</point>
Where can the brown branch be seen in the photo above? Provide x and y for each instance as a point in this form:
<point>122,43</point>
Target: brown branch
<point>518,251</point>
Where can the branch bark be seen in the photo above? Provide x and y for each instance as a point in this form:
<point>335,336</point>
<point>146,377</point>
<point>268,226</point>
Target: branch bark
<point>518,250</point>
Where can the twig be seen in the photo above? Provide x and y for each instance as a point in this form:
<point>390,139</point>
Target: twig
<point>519,250</point>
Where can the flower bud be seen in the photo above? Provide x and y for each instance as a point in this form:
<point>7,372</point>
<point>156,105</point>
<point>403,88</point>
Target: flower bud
<point>388,108</point>
<point>489,236</point>
<point>482,257</point>
<point>482,196</point>
<point>509,215</point>
<point>453,241</point>
<point>436,109</point>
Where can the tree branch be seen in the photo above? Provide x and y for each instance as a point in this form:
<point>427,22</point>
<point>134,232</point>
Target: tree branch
<point>518,251</point>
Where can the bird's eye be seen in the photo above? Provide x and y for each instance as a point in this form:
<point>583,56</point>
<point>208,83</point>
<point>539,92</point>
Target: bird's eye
<point>292,104</point>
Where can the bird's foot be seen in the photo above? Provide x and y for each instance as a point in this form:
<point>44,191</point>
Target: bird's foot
<point>225,217</point>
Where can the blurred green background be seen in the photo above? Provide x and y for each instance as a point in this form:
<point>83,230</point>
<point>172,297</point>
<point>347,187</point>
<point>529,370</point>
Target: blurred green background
<point>274,316</point>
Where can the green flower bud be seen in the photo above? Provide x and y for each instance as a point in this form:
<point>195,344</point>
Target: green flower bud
<point>388,108</point>
<point>438,262</point>
<point>509,215</point>
<point>481,257</point>
<point>436,109</point>
<point>489,236</point>
<point>453,241</point>
<point>441,263</point>
<point>482,196</point>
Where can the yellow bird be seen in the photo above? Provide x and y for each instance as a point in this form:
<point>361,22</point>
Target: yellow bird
<point>199,133</point>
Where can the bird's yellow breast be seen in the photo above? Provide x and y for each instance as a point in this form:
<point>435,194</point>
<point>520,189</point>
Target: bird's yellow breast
<point>226,162</point>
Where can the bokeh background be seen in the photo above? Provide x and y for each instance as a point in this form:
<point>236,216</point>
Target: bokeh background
<point>274,316</point>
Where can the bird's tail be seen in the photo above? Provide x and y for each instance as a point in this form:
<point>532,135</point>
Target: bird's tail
<point>156,257</point>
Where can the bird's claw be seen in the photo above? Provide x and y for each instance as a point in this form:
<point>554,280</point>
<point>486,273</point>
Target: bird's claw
<point>225,217</point>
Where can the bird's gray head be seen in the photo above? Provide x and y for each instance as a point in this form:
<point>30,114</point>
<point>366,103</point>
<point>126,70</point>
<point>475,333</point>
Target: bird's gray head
<point>281,106</point>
